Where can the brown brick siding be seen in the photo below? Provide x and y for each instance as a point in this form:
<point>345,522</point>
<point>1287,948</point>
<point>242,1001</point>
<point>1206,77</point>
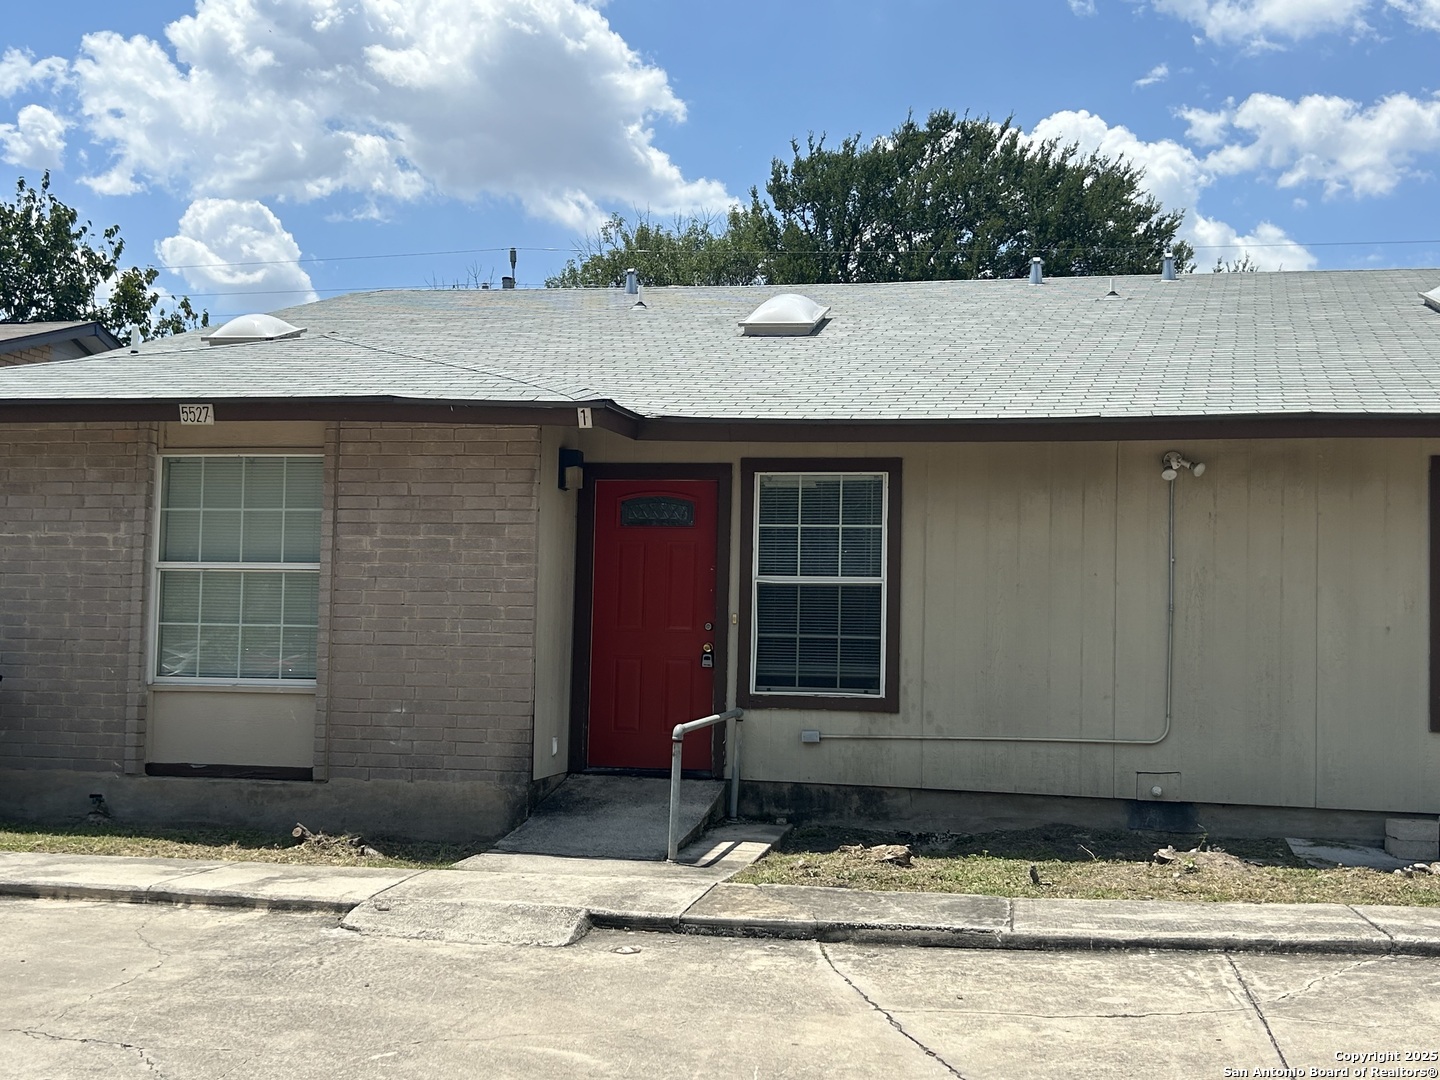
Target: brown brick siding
<point>27,356</point>
<point>426,650</point>
<point>74,517</point>
<point>429,635</point>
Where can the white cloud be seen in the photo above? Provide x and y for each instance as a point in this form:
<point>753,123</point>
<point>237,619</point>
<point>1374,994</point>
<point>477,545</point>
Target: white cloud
<point>219,237</point>
<point>1322,139</point>
<point>18,71</point>
<point>1423,13</point>
<point>1173,174</point>
<point>1256,23</point>
<point>1207,128</point>
<point>380,100</point>
<point>1267,248</point>
<point>1159,73</point>
<point>1083,8</point>
<point>1176,177</point>
<point>36,140</point>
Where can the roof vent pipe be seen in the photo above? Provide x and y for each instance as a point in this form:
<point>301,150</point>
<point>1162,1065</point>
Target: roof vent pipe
<point>1167,268</point>
<point>632,282</point>
<point>1037,273</point>
<point>507,282</point>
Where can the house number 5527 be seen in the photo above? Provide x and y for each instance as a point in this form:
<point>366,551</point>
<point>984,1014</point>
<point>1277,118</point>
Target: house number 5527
<point>197,414</point>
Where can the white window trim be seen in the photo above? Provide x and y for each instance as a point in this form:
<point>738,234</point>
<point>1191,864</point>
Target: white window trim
<point>756,580</point>
<point>152,631</point>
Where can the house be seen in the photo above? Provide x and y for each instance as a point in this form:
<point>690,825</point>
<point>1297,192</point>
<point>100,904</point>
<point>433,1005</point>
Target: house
<point>34,343</point>
<point>404,560</point>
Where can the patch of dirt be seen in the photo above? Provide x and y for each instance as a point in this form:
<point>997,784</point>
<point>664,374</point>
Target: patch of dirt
<point>1213,862</point>
<point>1067,861</point>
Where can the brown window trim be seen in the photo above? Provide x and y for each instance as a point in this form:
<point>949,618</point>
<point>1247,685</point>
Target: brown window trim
<point>889,700</point>
<point>1435,594</point>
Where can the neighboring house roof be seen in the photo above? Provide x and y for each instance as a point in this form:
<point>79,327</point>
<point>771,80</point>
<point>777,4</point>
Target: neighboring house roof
<point>1272,345</point>
<point>89,337</point>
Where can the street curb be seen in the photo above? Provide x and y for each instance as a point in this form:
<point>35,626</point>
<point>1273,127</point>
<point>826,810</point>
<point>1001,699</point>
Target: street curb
<point>829,931</point>
<point>927,936</point>
<point>956,937</point>
<point>176,897</point>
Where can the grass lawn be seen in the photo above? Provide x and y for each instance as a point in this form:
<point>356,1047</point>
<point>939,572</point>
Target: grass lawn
<point>230,845</point>
<point>1079,864</point>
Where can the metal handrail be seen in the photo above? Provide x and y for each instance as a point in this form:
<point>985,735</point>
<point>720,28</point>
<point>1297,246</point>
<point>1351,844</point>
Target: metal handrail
<point>677,744</point>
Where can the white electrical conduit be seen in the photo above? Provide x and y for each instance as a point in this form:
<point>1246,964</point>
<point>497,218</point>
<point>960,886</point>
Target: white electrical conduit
<point>1075,739</point>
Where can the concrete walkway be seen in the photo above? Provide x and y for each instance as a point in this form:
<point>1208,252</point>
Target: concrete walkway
<point>545,900</point>
<point>615,817</point>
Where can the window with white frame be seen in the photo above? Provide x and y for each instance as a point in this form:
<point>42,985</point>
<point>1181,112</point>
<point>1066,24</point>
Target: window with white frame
<point>239,567</point>
<point>820,579</point>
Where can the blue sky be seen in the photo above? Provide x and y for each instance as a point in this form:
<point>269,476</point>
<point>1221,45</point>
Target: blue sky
<point>307,137</point>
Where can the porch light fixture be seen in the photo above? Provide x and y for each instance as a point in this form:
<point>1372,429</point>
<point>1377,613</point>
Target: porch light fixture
<point>786,315</point>
<point>247,328</point>
<point>1173,461</point>
<point>571,459</point>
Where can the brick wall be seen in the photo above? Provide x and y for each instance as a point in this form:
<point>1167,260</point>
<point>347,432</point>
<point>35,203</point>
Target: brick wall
<point>426,636</point>
<point>27,356</point>
<point>74,513</point>
<point>428,641</point>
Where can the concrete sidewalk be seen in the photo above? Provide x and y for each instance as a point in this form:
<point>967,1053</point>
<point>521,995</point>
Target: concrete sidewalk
<point>500,898</point>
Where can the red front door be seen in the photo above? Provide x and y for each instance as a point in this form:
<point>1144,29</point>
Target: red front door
<point>652,621</point>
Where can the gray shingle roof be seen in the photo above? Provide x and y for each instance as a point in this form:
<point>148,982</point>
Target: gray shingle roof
<point>1205,345</point>
<point>19,331</point>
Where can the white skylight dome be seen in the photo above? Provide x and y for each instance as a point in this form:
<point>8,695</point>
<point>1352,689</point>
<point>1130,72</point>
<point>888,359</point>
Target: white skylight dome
<point>1432,298</point>
<point>786,315</point>
<point>257,327</point>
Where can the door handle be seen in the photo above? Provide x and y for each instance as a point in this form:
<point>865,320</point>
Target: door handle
<point>707,655</point>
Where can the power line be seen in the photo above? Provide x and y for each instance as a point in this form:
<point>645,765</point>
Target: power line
<point>361,288</point>
<point>754,251</point>
<point>1310,244</point>
<point>355,258</point>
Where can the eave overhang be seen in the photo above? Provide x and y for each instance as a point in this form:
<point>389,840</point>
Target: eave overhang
<point>604,414</point>
<point>609,416</point>
<point>1049,429</point>
<point>92,337</point>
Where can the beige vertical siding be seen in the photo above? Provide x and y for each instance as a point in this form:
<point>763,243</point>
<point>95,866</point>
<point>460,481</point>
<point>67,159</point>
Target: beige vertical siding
<point>232,727</point>
<point>1244,626</point>
<point>554,609</point>
<point>1017,539</point>
<point>1034,603</point>
<point>1372,652</point>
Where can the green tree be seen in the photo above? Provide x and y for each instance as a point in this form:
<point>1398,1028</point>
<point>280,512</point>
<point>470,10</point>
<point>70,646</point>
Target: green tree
<point>694,251</point>
<point>53,268</point>
<point>956,197</point>
<point>960,197</point>
<point>1242,265</point>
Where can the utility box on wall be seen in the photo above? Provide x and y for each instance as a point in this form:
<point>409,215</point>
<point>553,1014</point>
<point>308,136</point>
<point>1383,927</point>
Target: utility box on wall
<point>1157,787</point>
